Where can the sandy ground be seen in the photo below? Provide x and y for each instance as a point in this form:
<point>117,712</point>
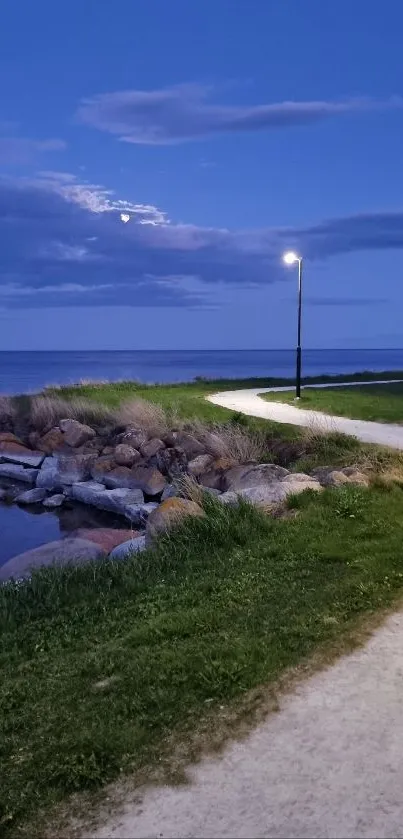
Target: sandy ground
<point>249,402</point>
<point>329,763</point>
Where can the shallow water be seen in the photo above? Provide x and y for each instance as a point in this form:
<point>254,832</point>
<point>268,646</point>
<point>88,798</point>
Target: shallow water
<point>24,528</point>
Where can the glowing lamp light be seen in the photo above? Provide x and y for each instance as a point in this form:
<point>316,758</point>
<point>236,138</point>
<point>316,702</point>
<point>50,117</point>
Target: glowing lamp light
<point>290,257</point>
<point>124,217</point>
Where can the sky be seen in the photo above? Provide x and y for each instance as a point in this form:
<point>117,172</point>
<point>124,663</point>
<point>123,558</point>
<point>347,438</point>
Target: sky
<point>229,133</point>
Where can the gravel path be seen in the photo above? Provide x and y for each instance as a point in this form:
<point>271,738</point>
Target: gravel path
<point>249,402</point>
<point>328,764</point>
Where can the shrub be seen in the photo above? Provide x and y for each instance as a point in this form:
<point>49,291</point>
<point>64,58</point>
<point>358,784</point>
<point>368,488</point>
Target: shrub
<point>144,415</point>
<point>234,443</point>
<point>47,411</point>
<point>7,413</point>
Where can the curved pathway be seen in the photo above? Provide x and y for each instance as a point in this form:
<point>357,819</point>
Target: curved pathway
<point>249,402</point>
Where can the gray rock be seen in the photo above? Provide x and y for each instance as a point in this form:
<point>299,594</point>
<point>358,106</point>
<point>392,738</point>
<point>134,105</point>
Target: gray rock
<point>329,477</point>
<point>171,462</point>
<point>169,492</point>
<point>18,473</point>
<point>137,514</point>
<point>49,475</point>
<point>63,552</point>
<point>212,491</point>
<point>135,437</point>
<point>199,464</point>
<point>14,453</point>
<point>62,470</point>
<point>31,496</point>
<point>190,445</point>
<point>126,455</point>
<point>251,475</point>
<point>149,479</point>
<point>121,477</point>
<point>75,433</point>
<point>127,549</point>
<point>152,447</point>
<point>54,501</point>
<point>111,500</point>
<point>268,494</point>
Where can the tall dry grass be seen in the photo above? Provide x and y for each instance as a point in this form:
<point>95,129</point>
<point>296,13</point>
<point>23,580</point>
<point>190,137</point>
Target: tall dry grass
<point>7,412</point>
<point>143,415</point>
<point>233,443</point>
<point>47,411</point>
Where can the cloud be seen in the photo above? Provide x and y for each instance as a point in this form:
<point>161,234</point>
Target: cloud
<point>19,151</point>
<point>183,112</point>
<point>63,244</point>
<point>345,301</point>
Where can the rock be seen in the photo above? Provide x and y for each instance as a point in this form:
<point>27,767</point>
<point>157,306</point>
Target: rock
<point>134,437</point>
<point>169,439</point>
<point>170,514</point>
<point>102,466</point>
<point>54,501</point>
<point>31,496</point>
<point>111,500</point>
<point>126,455</point>
<point>171,462</point>
<point>17,453</point>
<point>189,444</point>
<point>169,492</point>
<point>64,552</point>
<point>330,477</point>
<point>49,475</point>
<point>199,464</point>
<point>148,479</point>
<point>213,479</point>
<point>33,439</point>
<point>127,549</point>
<point>137,514</point>
<point>152,447</point>
<point>75,467</point>
<point>355,476</point>
<point>9,437</point>
<point>51,442</point>
<point>301,478</point>
<point>106,537</point>
<point>241,477</point>
<point>75,433</point>
<point>270,494</point>
<point>18,473</point>
<point>212,491</point>
<point>121,476</point>
<point>108,450</point>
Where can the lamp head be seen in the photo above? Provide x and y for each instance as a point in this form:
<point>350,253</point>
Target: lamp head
<point>124,217</point>
<point>290,257</point>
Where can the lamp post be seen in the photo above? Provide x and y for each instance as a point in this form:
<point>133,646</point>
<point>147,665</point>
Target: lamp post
<point>291,258</point>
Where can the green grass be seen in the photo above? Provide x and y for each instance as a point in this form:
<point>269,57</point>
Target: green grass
<point>383,403</point>
<point>104,665</point>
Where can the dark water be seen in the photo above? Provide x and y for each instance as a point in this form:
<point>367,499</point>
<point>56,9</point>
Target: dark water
<point>22,372</point>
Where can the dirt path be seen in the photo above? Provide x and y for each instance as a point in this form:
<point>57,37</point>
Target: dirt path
<point>249,402</point>
<point>328,764</point>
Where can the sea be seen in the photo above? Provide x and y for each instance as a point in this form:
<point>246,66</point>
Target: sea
<point>29,372</point>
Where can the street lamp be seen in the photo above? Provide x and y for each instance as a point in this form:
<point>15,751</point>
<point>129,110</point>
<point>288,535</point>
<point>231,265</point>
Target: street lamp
<point>290,258</point>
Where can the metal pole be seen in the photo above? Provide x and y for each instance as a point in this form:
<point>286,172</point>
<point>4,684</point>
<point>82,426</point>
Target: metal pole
<point>298,376</point>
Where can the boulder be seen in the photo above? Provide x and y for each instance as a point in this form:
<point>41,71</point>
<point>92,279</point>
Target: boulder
<point>18,473</point>
<point>121,476</point>
<point>250,475</point>
<point>106,537</point>
<point>329,477</point>
<point>102,466</point>
<point>199,464</point>
<point>127,549</point>
<point>75,433</point>
<point>134,437</point>
<point>151,448</point>
<point>9,437</point>
<point>355,476</point>
<point>126,455</point>
<point>17,453</point>
<point>169,492</point>
<point>54,501</point>
<point>64,552</point>
<point>270,494</point>
<point>299,478</point>
<point>51,442</point>
<point>111,500</point>
<point>49,475</point>
<point>190,445</point>
<point>137,514</point>
<point>75,467</point>
<point>170,514</point>
<point>108,450</point>
<point>171,462</point>
<point>31,496</point>
<point>148,478</point>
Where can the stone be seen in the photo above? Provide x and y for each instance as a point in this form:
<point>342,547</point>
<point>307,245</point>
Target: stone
<point>169,492</point>
<point>137,514</point>
<point>17,453</point>
<point>199,464</point>
<point>212,491</point>
<point>355,476</point>
<point>121,476</point>
<point>51,442</point>
<point>127,549</point>
<point>152,447</point>
<point>329,477</point>
<point>269,494</point>
<point>171,462</point>
<point>31,496</point>
<point>54,501</point>
<point>102,466</point>
<point>9,437</point>
<point>169,514</point>
<point>75,467</point>
<point>106,537</point>
<point>108,450</point>
<point>300,478</point>
<point>190,445</point>
<point>249,475</point>
<point>134,437</point>
<point>76,433</point>
<point>18,473</point>
<point>149,479</point>
<point>126,455</point>
<point>111,500</point>
<point>169,439</point>
<point>49,475</point>
<point>213,479</point>
<point>63,552</point>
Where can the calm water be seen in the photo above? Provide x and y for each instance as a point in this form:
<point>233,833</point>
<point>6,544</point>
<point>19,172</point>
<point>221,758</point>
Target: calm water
<point>30,371</point>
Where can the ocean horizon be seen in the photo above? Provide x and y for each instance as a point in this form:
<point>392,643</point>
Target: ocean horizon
<point>24,371</point>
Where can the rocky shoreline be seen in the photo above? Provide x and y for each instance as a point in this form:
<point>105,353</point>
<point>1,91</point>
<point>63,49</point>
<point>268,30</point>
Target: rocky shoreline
<point>136,475</point>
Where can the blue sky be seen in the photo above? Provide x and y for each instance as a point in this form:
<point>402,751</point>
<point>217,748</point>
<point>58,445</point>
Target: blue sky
<point>229,132</point>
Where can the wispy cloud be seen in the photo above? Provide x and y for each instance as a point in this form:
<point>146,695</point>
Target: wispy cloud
<point>345,301</point>
<point>63,244</point>
<point>184,112</point>
<point>19,151</point>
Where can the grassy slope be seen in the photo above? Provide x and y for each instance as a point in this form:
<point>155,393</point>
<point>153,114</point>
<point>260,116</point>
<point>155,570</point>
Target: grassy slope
<point>383,403</point>
<point>226,604</point>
